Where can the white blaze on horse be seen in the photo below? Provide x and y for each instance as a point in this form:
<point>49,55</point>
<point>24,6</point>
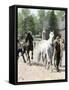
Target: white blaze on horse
<point>46,50</point>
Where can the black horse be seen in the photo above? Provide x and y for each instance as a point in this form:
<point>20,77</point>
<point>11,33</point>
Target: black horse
<point>29,45</point>
<point>26,47</point>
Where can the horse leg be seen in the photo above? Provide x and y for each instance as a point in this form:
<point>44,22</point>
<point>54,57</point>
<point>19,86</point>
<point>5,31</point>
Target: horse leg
<point>57,65</point>
<point>61,62</point>
<point>45,61</point>
<point>55,60</point>
<point>32,55</point>
<point>51,66</point>
<point>39,56</point>
<point>24,58</point>
<point>61,59</point>
<point>48,62</point>
<point>28,58</point>
<point>51,61</point>
<point>43,56</point>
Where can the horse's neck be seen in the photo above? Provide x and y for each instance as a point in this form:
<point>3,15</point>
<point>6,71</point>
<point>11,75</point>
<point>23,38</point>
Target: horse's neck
<point>50,40</point>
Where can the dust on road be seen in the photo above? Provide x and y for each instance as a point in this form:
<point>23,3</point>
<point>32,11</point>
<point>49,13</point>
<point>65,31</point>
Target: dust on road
<point>37,72</point>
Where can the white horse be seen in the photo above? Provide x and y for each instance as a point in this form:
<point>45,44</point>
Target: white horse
<point>46,49</point>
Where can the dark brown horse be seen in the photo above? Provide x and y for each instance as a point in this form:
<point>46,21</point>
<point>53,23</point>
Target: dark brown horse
<point>29,45</point>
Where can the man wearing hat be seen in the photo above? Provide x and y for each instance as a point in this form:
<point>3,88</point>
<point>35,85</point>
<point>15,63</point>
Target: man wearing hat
<point>57,53</point>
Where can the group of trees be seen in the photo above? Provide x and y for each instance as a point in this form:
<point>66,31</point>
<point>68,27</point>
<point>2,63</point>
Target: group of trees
<point>35,23</point>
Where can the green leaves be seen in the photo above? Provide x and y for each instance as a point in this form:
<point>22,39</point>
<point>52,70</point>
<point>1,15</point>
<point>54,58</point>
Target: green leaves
<point>29,24</point>
<point>38,20</point>
<point>53,26</point>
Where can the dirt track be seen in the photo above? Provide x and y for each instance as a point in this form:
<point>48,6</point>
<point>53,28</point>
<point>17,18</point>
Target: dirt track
<point>37,72</point>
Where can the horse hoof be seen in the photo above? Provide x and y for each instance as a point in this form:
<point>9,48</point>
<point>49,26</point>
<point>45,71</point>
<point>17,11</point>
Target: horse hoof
<point>24,61</point>
<point>31,57</point>
<point>58,70</point>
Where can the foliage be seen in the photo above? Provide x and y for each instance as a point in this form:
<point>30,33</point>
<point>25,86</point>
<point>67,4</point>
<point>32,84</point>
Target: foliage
<point>36,23</point>
<point>29,24</point>
<point>53,26</point>
<point>21,19</point>
<point>41,15</point>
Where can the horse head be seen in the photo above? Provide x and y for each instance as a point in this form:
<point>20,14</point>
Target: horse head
<point>51,35</point>
<point>51,38</point>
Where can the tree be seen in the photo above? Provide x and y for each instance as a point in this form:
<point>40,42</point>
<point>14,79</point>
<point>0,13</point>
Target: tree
<point>53,26</point>
<point>20,22</point>
<point>41,15</point>
<point>37,25</point>
<point>60,14</point>
<point>29,24</point>
<point>24,13</point>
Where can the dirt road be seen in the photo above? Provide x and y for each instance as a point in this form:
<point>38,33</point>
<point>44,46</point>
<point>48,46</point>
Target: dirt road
<point>37,72</point>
